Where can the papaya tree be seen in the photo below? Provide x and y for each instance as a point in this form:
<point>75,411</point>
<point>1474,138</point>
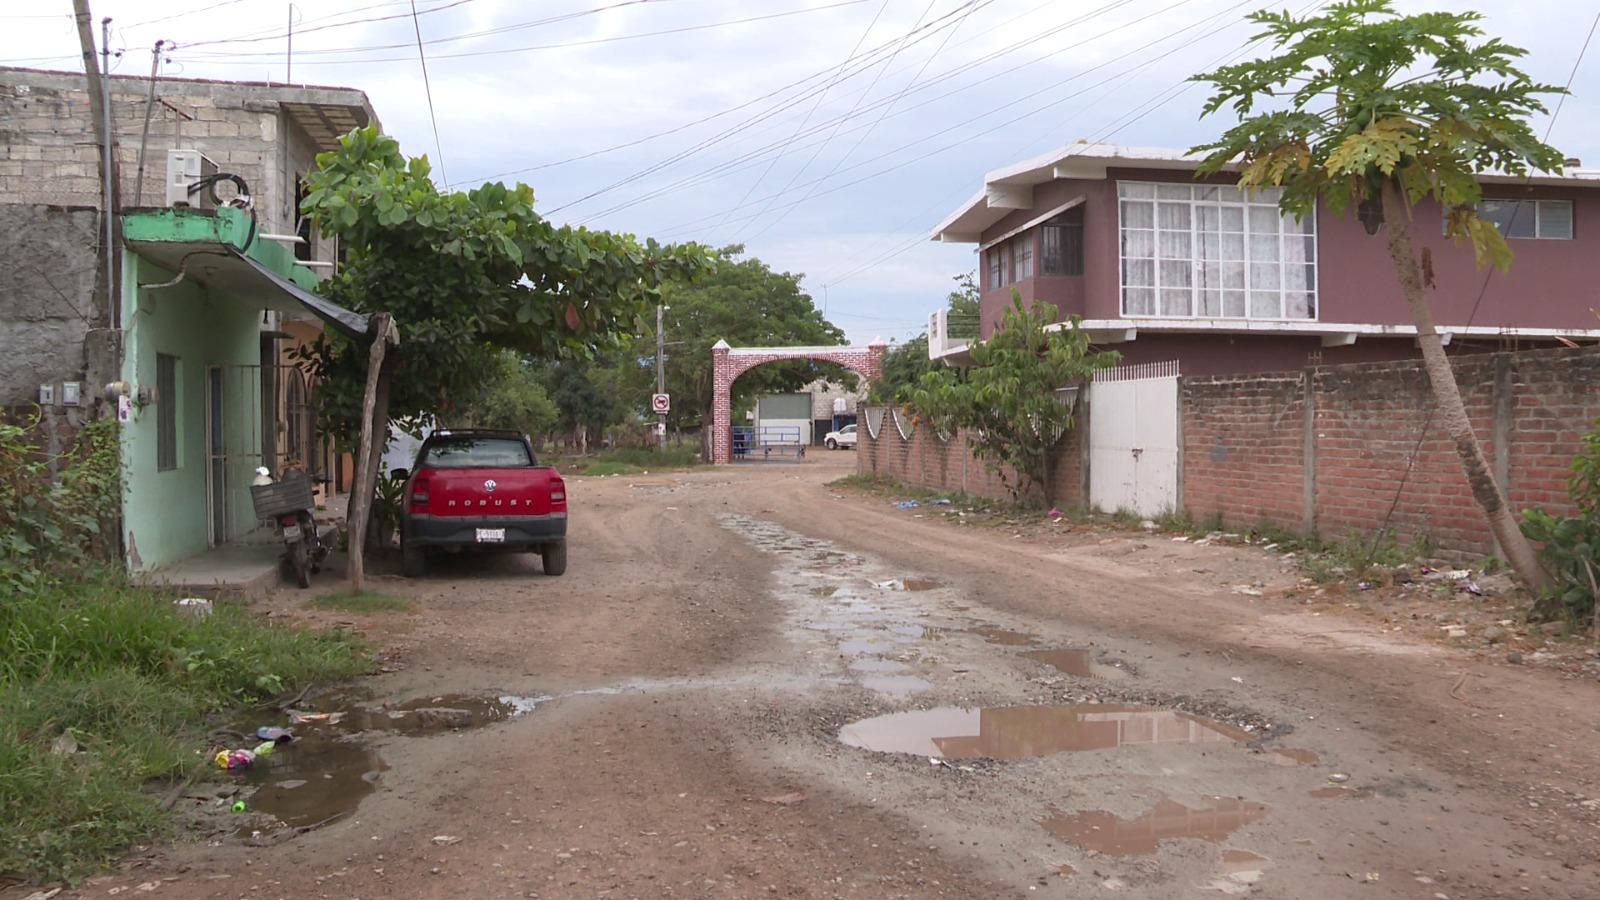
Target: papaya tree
<point>1364,110</point>
<point>466,275</point>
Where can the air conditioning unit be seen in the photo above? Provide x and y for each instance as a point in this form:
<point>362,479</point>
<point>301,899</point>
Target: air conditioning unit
<point>185,168</point>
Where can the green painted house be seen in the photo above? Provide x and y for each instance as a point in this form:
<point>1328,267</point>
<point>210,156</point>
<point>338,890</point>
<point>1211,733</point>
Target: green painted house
<point>198,382</point>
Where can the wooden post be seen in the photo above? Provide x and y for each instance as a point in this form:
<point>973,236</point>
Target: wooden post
<point>383,334</point>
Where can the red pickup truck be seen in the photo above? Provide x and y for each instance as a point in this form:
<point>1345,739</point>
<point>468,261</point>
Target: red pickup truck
<point>481,490</point>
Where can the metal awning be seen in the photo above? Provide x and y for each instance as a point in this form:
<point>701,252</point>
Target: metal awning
<point>348,323</point>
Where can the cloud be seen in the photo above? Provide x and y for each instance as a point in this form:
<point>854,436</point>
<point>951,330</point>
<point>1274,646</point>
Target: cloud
<point>829,136</point>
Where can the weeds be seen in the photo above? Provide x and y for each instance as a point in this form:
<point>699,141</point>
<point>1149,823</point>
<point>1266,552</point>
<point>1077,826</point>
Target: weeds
<point>105,687</point>
<point>52,528</point>
<point>133,682</point>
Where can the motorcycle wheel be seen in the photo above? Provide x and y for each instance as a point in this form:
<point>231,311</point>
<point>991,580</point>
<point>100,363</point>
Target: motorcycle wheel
<point>319,550</point>
<point>300,563</point>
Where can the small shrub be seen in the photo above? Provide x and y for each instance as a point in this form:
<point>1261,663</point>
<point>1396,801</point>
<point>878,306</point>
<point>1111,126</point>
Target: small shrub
<point>56,526</point>
<point>1570,545</point>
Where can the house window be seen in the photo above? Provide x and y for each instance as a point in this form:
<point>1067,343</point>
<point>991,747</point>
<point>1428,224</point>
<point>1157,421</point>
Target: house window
<point>1022,257</point>
<point>166,412</point>
<point>1010,261</point>
<point>1549,220</point>
<point>999,266</point>
<point>1206,251</point>
<point>1063,243</point>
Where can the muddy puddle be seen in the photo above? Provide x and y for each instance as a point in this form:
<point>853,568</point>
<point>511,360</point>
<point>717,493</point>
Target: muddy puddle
<point>1025,732</point>
<point>1169,820</point>
<point>1005,638</point>
<point>328,766</point>
<point>882,624</point>
<point>1077,663</point>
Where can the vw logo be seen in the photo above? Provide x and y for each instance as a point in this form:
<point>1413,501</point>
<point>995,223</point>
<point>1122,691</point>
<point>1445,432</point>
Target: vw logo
<point>489,485</point>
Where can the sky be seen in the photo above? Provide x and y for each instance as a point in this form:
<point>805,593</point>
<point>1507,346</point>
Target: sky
<point>828,137</point>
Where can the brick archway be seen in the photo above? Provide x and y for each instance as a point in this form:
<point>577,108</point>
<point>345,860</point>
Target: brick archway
<point>729,364</point>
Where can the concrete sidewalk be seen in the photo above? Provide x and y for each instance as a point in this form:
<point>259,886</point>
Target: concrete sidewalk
<point>240,571</point>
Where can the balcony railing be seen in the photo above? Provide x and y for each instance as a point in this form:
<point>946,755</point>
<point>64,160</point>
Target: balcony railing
<point>950,333</point>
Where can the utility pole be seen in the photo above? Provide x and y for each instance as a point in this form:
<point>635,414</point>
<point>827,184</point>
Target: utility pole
<point>100,112</point>
<point>661,377</point>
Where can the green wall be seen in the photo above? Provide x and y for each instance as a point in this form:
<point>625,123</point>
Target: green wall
<point>166,513</point>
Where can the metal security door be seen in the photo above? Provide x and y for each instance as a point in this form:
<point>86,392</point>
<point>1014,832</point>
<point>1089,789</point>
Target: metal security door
<point>216,457</point>
<point>1133,439</point>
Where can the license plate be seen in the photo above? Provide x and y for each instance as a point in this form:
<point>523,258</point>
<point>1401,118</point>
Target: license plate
<point>491,535</point>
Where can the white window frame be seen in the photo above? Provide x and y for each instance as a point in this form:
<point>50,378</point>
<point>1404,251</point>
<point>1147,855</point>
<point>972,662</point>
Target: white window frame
<point>1238,282</point>
<point>1536,210</point>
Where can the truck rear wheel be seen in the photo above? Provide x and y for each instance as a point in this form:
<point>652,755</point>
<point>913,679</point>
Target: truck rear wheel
<point>413,561</point>
<point>554,557</point>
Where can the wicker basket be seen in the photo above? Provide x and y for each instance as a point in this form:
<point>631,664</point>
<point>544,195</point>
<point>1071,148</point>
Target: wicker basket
<point>291,493</point>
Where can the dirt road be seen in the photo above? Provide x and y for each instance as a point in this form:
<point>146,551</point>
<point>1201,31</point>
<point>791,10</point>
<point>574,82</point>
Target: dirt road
<point>692,711</point>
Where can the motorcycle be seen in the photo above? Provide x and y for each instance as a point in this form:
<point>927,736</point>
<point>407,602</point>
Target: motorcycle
<point>288,502</point>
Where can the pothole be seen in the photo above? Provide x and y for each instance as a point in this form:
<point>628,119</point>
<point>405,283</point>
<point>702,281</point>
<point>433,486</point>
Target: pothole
<point>1004,637</point>
<point>1240,871</point>
<point>1077,663</point>
<point>1104,832</point>
<point>326,767</point>
<point>1025,732</point>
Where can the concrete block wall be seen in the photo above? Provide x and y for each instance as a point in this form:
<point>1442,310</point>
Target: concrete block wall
<point>47,138</point>
<point>48,262</point>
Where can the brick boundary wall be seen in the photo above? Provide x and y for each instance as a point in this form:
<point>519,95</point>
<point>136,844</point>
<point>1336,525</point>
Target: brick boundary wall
<point>1330,450</point>
<point>928,461</point>
<point>1252,455</point>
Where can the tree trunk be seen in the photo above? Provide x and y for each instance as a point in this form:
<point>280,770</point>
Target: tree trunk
<point>374,435</point>
<point>1447,393</point>
<point>1048,483</point>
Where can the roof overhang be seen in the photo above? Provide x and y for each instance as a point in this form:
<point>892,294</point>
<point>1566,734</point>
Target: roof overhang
<point>1119,331</point>
<point>1011,188</point>
<point>221,253</point>
<point>326,122</point>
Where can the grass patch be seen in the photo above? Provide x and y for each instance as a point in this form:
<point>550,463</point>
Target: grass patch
<point>632,461</point>
<point>135,685</point>
<point>363,602</point>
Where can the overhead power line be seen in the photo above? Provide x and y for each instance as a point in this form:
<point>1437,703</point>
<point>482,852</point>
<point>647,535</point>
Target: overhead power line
<point>427,86</point>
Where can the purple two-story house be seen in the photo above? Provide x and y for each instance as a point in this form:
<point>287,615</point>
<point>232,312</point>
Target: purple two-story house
<point>1162,266</point>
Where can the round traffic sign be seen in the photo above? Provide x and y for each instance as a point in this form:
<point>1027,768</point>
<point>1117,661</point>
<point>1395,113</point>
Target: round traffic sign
<point>661,403</point>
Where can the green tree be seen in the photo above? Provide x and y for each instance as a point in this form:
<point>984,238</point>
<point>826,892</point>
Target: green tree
<point>1375,112</point>
<point>586,399</point>
<point>515,399</point>
<point>1006,402</point>
<point>905,364</point>
<point>464,274</point>
<point>746,304</point>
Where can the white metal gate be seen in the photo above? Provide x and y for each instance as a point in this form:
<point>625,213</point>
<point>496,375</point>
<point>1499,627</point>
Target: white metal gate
<point>1133,439</point>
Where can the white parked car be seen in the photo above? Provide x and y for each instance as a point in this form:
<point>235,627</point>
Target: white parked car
<point>844,437</point>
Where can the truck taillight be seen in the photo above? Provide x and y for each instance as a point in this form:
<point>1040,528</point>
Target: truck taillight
<point>558,493</point>
<point>419,495</point>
